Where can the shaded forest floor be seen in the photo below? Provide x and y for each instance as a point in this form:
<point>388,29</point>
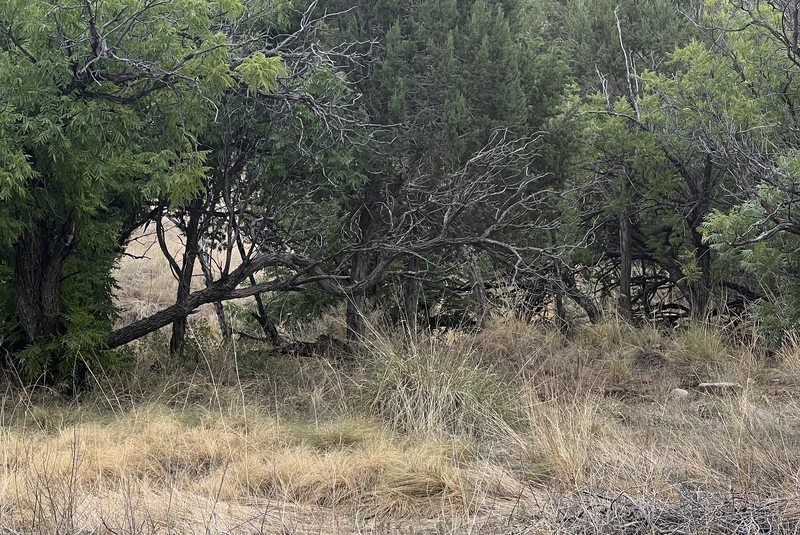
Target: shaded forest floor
<point>515,429</point>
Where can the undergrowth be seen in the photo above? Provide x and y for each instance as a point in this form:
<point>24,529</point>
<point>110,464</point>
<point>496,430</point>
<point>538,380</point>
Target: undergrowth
<point>450,432</point>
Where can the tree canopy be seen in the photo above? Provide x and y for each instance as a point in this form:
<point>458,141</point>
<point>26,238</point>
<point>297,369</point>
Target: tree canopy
<point>638,155</point>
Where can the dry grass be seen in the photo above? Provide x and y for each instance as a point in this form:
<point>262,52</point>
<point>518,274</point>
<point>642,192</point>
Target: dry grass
<point>511,430</point>
<point>146,282</point>
<point>152,468</point>
<point>437,386</point>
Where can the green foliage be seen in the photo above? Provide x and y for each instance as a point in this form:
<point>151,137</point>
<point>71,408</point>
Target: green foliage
<point>773,264</point>
<point>744,90</point>
<point>645,154</point>
<point>300,308</point>
<point>103,107</point>
<point>650,30</point>
<point>261,72</point>
<point>449,76</point>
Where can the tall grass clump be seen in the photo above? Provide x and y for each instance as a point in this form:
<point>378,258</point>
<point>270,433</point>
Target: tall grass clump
<point>702,344</point>
<point>788,356</point>
<point>561,434</point>
<point>516,344</point>
<point>431,387</point>
<point>611,333</point>
<point>614,333</point>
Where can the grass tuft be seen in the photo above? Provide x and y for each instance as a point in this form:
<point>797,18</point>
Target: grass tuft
<point>434,388</point>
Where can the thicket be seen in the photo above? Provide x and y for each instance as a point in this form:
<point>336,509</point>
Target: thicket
<point>428,158</point>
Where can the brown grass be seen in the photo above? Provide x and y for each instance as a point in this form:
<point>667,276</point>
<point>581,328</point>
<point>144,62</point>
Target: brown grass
<point>511,430</point>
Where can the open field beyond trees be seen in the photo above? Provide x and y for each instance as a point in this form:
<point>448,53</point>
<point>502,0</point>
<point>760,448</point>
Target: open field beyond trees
<point>511,430</point>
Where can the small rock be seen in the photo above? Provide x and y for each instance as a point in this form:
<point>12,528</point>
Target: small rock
<point>720,388</point>
<point>678,393</point>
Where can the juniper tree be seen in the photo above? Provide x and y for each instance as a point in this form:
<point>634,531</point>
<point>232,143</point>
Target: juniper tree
<point>463,91</point>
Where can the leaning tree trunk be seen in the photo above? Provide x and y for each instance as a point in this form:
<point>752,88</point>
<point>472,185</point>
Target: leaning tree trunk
<point>266,324</point>
<point>39,257</point>
<point>586,302</point>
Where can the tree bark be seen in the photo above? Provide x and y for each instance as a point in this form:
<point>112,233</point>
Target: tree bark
<point>411,288</point>
<point>39,259</point>
<point>177,342</point>
<point>226,288</point>
<point>266,324</point>
<point>700,290</point>
<point>205,264</point>
<point>477,286</point>
<point>561,315</point>
<point>357,300</point>
<point>581,299</point>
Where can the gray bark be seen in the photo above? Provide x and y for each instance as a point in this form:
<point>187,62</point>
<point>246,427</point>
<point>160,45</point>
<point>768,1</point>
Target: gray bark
<point>625,263</point>
<point>477,286</point>
<point>411,288</point>
<point>219,310</point>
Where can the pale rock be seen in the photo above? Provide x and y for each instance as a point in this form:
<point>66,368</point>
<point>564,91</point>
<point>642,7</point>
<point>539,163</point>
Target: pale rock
<point>678,393</point>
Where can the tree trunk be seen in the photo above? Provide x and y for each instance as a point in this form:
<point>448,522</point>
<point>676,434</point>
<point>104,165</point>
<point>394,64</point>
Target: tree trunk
<point>477,286</point>
<point>581,299</point>
<point>411,287</point>
<point>561,315</point>
<point>700,289</point>
<point>227,288</point>
<point>39,259</point>
<point>625,262</point>
<point>356,303</point>
<point>267,327</point>
<point>177,343</point>
<point>219,310</point>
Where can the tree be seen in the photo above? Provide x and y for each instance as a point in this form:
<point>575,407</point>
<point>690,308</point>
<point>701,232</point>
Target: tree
<point>750,123</point>
<point>718,126</point>
<point>648,32</point>
<point>652,185</point>
<point>105,103</point>
<point>454,183</point>
<point>272,155</point>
